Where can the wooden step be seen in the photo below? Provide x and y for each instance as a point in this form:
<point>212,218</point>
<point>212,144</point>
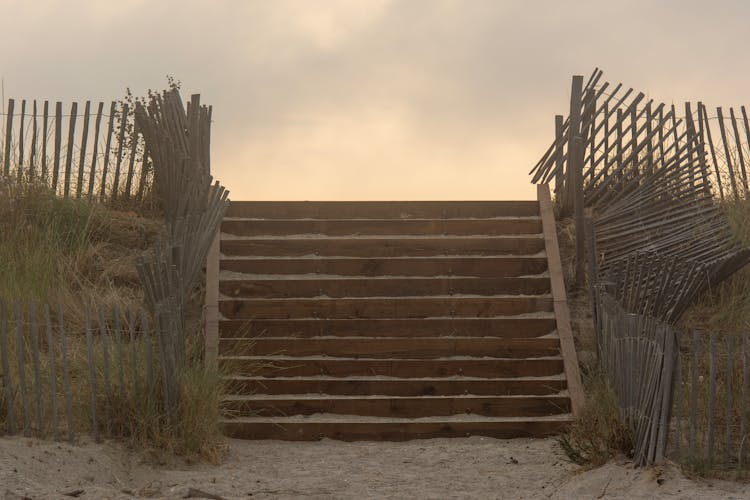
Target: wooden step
<point>392,429</point>
<point>344,227</point>
<point>381,287</point>
<point>381,209</point>
<point>383,347</point>
<point>504,327</point>
<point>396,407</point>
<point>285,366</point>
<point>363,386</point>
<point>382,246</point>
<point>403,307</point>
<point>501,266</point>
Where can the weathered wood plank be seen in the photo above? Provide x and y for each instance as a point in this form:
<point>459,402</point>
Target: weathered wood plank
<point>560,303</point>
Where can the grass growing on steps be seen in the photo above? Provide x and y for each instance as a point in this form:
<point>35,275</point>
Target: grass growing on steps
<point>69,252</point>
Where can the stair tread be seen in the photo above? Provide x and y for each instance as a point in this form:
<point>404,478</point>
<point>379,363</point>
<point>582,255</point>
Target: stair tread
<point>354,378</point>
<point>314,396</point>
<point>334,418</point>
<point>387,219</point>
<point>383,360</point>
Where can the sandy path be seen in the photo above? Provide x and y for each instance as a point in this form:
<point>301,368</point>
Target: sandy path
<point>439,468</point>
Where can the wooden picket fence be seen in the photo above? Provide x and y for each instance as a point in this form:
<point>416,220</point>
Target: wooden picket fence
<point>58,381</point>
<point>78,153</point>
<point>638,353</point>
<point>710,425</point>
<point>684,395</point>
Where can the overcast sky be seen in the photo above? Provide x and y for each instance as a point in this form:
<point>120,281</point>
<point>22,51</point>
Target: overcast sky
<point>376,99</point>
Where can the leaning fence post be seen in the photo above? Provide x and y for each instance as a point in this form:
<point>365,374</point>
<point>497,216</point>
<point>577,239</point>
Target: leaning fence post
<point>574,130</point>
<point>559,166</point>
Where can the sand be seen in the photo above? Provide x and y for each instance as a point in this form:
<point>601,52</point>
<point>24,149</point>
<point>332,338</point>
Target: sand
<point>437,468</point>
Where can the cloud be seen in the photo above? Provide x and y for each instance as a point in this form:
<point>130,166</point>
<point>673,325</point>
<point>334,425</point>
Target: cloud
<point>346,99</point>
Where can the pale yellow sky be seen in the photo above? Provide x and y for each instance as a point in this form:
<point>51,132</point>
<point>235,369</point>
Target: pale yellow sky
<point>375,99</point>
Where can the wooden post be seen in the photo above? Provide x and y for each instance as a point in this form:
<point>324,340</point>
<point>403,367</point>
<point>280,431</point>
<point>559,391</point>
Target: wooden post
<point>574,130</point>
<point>559,166</point>
<point>212,302</point>
<point>560,302</point>
<point>577,166</point>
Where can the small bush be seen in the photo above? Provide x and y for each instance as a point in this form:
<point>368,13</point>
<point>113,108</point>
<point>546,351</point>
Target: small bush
<point>599,433</point>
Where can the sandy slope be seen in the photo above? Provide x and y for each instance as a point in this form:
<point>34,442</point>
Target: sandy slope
<point>438,468</point>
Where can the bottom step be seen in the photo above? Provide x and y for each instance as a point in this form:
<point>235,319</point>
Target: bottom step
<point>392,429</point>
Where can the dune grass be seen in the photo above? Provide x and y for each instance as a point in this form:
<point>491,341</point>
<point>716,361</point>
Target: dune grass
<point>67,253</point>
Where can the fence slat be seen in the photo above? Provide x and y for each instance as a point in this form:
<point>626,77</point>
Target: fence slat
<point>694,390</point>
<point>45,124</point>
<point>103,333</point>
<point>743,404</point>
<point>728,399</point>
<point>727,157</point>
<point>738,142</point>
<point>95,152</point>
<point>66,375</point>
<point>107,150</point>
<point>20,348</point>
<point>21,134</point>
<point>118,346</point>
<point>69,151</point>
<point>711,395</point>
<point>58,144</point>
<point>92,376</point>
<point>32,154</point>
<point>149,354</point>
<point>132,317</point>
<point>131,162</point>
<point>8,135</point>
<point>37,370</point>
<point>120,144</point>
<point>52,371</point>
<point>84,138</point>
<point>7,382</point>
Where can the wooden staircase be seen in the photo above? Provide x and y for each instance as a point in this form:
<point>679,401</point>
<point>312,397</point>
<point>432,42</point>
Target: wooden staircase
<point>389,320</point>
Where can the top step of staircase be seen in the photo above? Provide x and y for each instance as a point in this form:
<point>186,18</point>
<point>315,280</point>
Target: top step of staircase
<point>381,209</point>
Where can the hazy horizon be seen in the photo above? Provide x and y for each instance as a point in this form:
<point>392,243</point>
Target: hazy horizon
<point>375,99</point>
